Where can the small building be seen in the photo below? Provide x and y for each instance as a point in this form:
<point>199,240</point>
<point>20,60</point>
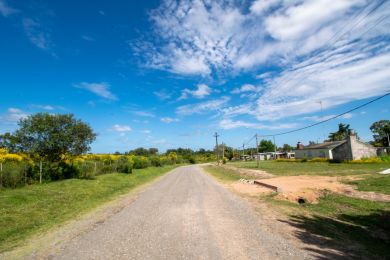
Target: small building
<point>345,150</point>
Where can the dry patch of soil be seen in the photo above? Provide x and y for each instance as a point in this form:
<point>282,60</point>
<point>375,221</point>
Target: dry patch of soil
<point>308,188</point>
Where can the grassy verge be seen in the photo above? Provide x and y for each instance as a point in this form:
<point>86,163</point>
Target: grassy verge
<point>356,227</point>
<point>376,183</point>
<point>36,208</point>
<point>222,174</point>
<point>314,168</point>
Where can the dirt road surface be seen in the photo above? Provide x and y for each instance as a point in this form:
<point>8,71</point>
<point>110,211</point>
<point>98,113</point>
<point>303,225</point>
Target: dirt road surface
<point>185,215</point>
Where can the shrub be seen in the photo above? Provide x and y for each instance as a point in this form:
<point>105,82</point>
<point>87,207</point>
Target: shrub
<point>224,160</point>
<point>191,160</point>
<point>140,162</point>
<point>155,161</point>
<point>86,169</point>
<point>14,174</point>
<point>124,164</point>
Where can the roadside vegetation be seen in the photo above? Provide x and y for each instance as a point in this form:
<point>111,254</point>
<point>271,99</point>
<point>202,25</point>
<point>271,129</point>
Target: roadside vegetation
<point>36,208</point>
<point>356,227</point>
<point>49,148</point>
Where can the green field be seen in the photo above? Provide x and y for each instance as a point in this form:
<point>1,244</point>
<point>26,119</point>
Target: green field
<point>336,220</point>
<point>314,168</point>
<point>32,209</point>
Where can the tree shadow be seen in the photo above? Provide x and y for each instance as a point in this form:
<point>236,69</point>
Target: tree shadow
<point>345,236</point>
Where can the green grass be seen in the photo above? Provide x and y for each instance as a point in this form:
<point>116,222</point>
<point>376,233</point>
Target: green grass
<point>314,168</point>
<point>30,210</point>
<point>377,183</point>
<point>356,227</point>
<point>222,174</point>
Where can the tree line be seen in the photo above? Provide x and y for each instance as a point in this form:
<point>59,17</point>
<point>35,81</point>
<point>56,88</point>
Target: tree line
<point>48,147</point>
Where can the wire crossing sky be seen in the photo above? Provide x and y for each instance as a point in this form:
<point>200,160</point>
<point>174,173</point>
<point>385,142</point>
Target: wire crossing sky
<point>171,73</point>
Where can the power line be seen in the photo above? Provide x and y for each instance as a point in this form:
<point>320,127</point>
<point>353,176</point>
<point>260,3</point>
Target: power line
<point>331,118</point>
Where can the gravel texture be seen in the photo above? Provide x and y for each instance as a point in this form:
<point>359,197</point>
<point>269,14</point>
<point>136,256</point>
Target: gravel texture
<point>185,215</point>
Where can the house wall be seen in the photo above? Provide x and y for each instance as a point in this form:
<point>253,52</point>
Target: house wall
<point>313,153</point>
<point>360,149</point>
<point>353,149</point>
<point>342,152</point>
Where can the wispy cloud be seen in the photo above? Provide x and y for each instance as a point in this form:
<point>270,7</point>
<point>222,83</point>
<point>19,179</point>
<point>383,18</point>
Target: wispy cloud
<point>144,113</point>
<point>121,128</point>
<point>87,38</point>
<point>336,52</point>
<point>322,118</point>
<point>13,115</point>
<point>201,91</point>
<point>7,10</point>
<point>231,124</point>
<point>48,107</point>
<point>162,94</point>
<point>169,120</point>
<point>244,88</point>
<point>100,89</point>
<point>37,34</point>
<point>203,107</point>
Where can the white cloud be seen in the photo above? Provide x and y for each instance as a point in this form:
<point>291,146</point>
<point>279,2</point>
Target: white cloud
<point>143,113</point>
<point>121,128</point>
<point>100,89</point>
<point>48,107</point>
<point>200,92</point>
<point>7,10</point>
<point>244,88</point>
<point>292,23</point>
<point>36,34</point>
<point>169,120</point>
<point>333,51</point>
<point>231,124</point>
<point>13,115</point>
<point>87,38</point>
<point>322,118</point>
<point>261,6</point>
<point>147,132</point>
<point>162,94</point>
<point>203,107</point>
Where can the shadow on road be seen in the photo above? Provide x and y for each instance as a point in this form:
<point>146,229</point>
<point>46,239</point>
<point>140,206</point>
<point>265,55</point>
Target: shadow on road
<point>346,236</point>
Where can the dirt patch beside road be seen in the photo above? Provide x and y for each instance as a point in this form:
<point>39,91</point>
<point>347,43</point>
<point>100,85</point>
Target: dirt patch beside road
<point>309,188</point>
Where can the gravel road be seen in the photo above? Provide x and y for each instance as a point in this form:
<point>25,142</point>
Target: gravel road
<point>185,215</point>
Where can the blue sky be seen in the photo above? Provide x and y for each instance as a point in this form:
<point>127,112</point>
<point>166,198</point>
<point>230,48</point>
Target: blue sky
<point>171,73</point>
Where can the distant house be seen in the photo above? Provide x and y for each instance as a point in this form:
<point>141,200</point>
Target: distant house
<point>273,155</point>
<point>349,149</point>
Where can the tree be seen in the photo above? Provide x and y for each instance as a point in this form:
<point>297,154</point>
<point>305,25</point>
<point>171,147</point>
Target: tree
<point>153,151</point>
<point>341,133</point>
<point>287,148</point>
<point>266,146</point>
<point>381,130</point>
<point>9,142</point>
<point>140,151</point>
<point>50,137</point>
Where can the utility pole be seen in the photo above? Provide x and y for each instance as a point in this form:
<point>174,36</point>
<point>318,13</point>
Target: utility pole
<point>223,150</point>
<point>274,146</point>
<point>388,140</point>
<point>243,151</point>
<point>257,151</point>
<point>216,135</point>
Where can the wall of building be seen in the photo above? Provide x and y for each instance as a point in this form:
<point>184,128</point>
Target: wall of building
<point>313,153</point>
<point>360,149</point>
<point>342,152</point>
